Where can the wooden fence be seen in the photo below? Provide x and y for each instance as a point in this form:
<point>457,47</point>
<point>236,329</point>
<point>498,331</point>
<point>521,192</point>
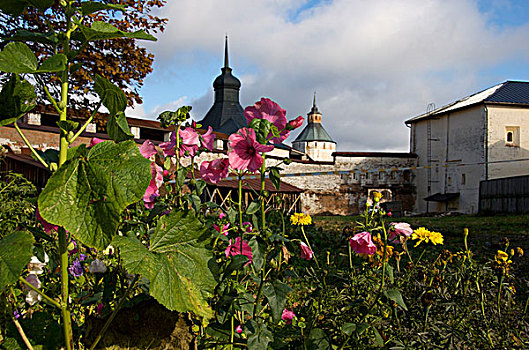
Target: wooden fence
<point>506,195</point>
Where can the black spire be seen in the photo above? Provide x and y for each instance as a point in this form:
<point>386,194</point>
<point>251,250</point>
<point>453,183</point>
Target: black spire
<point>226,114</point>
<point>314,109</point>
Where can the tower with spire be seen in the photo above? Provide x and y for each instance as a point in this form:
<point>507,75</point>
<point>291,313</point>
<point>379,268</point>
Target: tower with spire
<point>226,114</point>
<point>314,140</point>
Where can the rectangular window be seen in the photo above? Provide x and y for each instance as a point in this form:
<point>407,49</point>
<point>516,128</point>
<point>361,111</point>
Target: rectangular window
<point>463,179</point>
<point>512,136</point>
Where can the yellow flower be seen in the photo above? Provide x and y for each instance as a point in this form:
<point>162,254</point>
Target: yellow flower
<point>300,219</point>
<point>377,196</point>
<point>423,235</point>
<point>501,256</point>
<point>519,251</point>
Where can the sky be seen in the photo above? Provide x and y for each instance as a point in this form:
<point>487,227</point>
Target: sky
<point>373,64</point>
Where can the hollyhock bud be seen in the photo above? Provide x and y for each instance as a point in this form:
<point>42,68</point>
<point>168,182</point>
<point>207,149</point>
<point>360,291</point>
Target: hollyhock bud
<point>296,123</point>
<point>362,243</point>
<point>239,329</point>
<point>306,252</point>
<point>287,316</point>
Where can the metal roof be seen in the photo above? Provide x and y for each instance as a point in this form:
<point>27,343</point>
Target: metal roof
<point>226,114</point>
<point>509,92</point>
<point>314,132</point>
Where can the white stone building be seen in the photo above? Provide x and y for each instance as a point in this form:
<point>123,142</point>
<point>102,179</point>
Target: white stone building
<point>484,136</point>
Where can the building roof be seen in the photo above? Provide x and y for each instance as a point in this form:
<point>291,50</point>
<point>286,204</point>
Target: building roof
<point>509,92</point>
<point>226,114</point>
<point>375,154</point>
<point>314,131</point>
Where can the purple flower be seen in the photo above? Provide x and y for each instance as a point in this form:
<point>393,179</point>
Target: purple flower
<point>17,314</point>
<point>75,269</point>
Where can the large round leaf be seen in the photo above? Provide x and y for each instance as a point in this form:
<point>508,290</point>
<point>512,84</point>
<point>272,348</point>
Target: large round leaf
<point>178,263</point>
<point>87,194</point>
<point>16,250</point>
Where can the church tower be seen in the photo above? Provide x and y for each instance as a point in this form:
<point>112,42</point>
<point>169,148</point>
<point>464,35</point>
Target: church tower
<point>226,114</point>
<point>314,140</point>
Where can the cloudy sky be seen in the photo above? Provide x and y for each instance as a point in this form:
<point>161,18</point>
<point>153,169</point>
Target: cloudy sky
<point>373,64</point>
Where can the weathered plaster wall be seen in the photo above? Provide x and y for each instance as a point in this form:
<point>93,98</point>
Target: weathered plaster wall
<point>456,138</point>
<point>500,119</point>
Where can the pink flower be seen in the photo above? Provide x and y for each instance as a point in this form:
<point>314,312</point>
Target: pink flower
<point>147,149</point>
<point>235,249</point>
<point>362,243</point>
<point>152,191</point>
<point>168,147</point>
<point>222,216</point>
<point>215,170</point>
<point>400,230</point>
<point>94,141</point>
<point>190,142</point>
<point>306,253</point>
<point>99,309</point>
<point>296,123</point>
<point>223,228</point>
<point>208,138</point>
<point>238,329</point>
<point>245,150</point>
<point>271,111</point>
<point>287,316</point>
<point>46,225</point>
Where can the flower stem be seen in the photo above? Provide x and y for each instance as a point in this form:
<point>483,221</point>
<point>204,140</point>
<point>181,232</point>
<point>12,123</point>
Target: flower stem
<point>263,179</point>
<point>65,311</point>
<point>115,311</point>
<point>26,141</point>
<point>310,247</point>
<point>46,298</point>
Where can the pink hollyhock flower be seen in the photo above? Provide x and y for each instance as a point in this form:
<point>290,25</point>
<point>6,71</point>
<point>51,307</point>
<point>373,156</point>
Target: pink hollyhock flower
<point>400,230</point>
<point>190,142</point>
<point>46,225</point>
<point>94,141</point>
<point>215,170</point>
<point>223,228</point>
<point>152,190</point>
<point>222,216</point>
<point>235,249</point>
<point>147,149</point>
<point>245,150</point>
<point>208,138</point>
<point>238,329</point>
<point>168,147</point>
<point>306,253</point>
<point>271,111</point>
<point>287,316</point>
<point>296,123</point>
<point>362,243</point>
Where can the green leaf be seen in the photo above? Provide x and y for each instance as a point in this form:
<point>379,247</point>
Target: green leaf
<point>67,125</point>
<point>13,7</point>
<point>318,340</point>
<point>48,38</point>
<point>111,95</point>
<point>348,328</point>
<point>50,156</point>
<point>276,294</point>
<point>378,337</point>
<point>275,177</point>
<point>262,128</point>
<point>258,335</point>
<point>236,263</point>
<point>89,7</point>
<point>102,31</point>
<point>17,58</point>
<point>56,63</point>
<point>118,128</point>
<point>201,184</point>
<point>16,99</point>
<point>253,207</point>
<point>258,246</point>
<point>177,263</point>
<point>395,295</point>
<point>87,194</point>
<point>16,250</point>
<point>42,5</point>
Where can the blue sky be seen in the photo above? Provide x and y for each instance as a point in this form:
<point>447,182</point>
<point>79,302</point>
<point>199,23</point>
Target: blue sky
<point>373,64</point>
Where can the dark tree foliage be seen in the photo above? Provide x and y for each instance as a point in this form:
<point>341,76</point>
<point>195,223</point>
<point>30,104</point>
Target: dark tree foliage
<point>122,61</point>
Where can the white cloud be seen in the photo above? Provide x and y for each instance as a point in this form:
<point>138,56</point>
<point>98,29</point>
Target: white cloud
<point>373,64</point>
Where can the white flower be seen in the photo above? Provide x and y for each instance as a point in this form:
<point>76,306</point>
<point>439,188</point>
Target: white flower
<point>109,250</point>
<point>35,265</point>
<point>97,266</point>
<point>32,297</point>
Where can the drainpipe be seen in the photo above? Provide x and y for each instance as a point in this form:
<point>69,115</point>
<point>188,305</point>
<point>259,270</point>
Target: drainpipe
<point>485,109</point>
